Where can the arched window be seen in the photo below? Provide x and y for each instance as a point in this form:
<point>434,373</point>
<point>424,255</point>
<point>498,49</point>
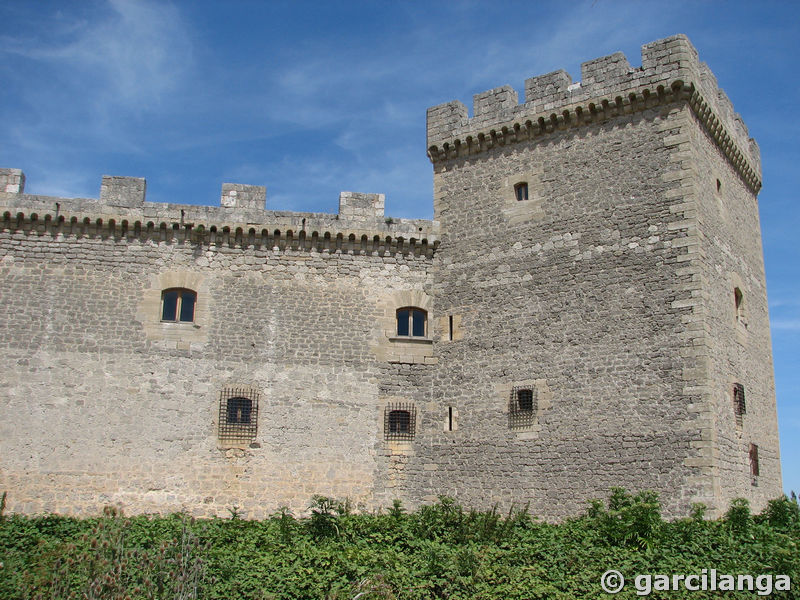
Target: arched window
<point>412,322</point>
<point>521,190</point>
<point>177,305</point>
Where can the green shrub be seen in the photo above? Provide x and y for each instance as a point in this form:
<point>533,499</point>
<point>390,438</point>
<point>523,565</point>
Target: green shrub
<point>437,551</point>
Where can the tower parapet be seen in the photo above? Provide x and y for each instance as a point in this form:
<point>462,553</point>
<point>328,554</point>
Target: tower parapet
<point>12,181</point>
<point>670,71</point>
<point>237,195</point>
<point>128,192</point>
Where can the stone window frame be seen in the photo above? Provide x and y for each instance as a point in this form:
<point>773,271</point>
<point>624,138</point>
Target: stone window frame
<point>531,208</point>
<point>739,305</point>
<point>399,300</point>
<point>530,426</point>
<point>175,334</point>
<point>388,346</point>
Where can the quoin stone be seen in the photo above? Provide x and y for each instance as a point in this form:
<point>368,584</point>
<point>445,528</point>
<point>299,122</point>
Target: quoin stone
<point>587,309</point>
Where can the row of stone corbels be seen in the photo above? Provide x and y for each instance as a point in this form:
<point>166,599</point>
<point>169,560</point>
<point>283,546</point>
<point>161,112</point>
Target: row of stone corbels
<point>217,236</point>
<point>570,116</point>
<point>725,142</point>
<point>596,112</point>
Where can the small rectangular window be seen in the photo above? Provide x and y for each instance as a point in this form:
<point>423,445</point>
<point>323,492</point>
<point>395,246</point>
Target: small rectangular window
<point>521,191</point>
<point>402,321</point>
<point>525,400</point>
<point>187,307</point>
<point>739,405</point>
<point>170,310</point>
<point>239,410</point>
<point>399,421</point>
<point>419,323</point>
<point>451,328</point>
<point>755,468</point>
<point>522,407</point>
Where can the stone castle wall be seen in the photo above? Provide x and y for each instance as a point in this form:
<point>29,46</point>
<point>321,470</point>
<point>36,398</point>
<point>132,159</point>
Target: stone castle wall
<point>104,404</point>
<point>606,294</point>
<point>737,347</point>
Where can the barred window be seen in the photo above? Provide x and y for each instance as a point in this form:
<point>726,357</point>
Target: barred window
<point>399,422</point>
<point>754,466</point>
<point>739,406</point>
<point>412,322</point>
<point>177,305</point>
<point>521,407</point>
<point>238,414</point>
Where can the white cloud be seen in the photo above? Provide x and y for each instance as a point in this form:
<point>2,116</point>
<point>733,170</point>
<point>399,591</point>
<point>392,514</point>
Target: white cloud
<point>132,55</point>
<point>785,324</point>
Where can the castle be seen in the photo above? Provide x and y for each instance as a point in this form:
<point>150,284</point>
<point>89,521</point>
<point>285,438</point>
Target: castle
<point>586,310</point>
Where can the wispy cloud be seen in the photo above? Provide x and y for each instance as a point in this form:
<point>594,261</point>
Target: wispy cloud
<point>785,324</point>
<point>132,54</point>
<point>85,83</point>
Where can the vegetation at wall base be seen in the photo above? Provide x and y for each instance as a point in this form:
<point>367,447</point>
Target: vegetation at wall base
<point>438,551</point>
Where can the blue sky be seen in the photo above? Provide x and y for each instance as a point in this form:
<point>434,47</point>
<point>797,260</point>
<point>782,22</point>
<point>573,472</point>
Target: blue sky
<point>313,98</point>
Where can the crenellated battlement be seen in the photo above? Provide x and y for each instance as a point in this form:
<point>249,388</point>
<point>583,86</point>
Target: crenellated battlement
<point>609,86</point>
<point>242,219</point>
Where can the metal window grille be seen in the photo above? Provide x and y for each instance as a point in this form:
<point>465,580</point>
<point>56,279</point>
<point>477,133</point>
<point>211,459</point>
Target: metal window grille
<point>238,414</point>
<point>521,407</point>
<point>400,421</point>
<point>739,406</point>
<point>754,466</point>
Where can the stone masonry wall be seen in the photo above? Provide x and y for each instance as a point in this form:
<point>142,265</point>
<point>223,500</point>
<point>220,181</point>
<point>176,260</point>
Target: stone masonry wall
<point>104,404</point>
<point>573,295</point>
<point>739,346</point>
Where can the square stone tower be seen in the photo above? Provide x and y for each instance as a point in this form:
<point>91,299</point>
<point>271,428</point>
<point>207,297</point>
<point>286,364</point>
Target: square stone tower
<point>601,254</point>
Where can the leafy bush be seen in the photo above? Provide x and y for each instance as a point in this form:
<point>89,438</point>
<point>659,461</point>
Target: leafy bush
<point>437,551</point>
